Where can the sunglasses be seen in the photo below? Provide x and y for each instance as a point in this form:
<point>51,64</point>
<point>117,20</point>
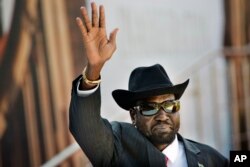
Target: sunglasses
<point>152,108</point>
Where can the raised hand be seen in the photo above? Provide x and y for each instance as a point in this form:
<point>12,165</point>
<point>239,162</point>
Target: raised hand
<point>97,46</point>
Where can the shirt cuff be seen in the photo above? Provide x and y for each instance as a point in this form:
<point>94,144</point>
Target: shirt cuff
<point>85,93</point>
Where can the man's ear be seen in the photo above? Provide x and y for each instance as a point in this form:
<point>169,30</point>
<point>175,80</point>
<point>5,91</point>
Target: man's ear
<point>132,115</point>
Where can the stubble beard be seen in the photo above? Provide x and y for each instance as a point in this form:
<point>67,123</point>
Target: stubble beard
<point>158,138</point>
<point>162,138</point>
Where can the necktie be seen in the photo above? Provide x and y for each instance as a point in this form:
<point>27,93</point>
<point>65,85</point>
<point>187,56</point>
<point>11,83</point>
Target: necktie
<point>166,161</point>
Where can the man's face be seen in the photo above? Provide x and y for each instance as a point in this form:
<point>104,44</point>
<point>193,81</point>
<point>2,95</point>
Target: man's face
<point>161,128</point>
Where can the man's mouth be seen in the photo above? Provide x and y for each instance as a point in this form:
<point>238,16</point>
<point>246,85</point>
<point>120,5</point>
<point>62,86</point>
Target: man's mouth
<point>162,127</point>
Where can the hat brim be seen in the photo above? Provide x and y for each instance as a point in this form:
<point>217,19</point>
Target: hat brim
<point>126,99</point>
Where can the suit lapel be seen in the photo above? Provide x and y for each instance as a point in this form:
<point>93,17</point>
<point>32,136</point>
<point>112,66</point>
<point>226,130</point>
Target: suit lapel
<point>192,153</point>
<point>152,157</point>
<point>155,157</point>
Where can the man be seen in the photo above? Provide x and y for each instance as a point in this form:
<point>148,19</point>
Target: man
<point>152,100</point>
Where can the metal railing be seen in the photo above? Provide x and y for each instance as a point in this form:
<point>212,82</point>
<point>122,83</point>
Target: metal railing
<point>62,156</point>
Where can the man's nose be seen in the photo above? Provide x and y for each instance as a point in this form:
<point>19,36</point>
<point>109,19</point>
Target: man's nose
<point>161,115</point>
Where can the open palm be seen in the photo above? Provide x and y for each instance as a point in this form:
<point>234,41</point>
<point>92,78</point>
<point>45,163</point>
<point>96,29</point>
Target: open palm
<point>97,46</point>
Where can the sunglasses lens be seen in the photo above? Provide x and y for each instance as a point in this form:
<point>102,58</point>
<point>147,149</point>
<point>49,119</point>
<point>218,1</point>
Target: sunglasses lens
<point>171,107</point>
<point>149,112</point>
<point>148,109</point>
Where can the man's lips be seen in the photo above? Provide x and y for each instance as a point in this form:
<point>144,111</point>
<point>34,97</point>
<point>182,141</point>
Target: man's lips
<point>162,127</point>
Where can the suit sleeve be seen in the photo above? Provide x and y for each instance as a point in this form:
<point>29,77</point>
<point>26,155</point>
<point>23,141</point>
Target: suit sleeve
<point>93,134</point>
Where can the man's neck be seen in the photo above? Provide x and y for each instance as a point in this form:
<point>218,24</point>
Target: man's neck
<point>161,147</point>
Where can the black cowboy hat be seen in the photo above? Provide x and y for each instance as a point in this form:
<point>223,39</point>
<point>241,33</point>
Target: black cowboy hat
<point>146,82</point>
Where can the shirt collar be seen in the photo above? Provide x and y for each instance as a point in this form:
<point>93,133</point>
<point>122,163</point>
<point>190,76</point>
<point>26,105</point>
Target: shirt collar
<point>171,151</point>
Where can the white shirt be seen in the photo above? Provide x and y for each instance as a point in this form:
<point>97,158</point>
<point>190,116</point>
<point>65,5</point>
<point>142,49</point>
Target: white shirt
<point>84,93</point>
<point>176,154</point>
<point>175,151</point>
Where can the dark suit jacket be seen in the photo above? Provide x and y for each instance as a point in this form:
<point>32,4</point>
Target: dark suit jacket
<point>121,144</point>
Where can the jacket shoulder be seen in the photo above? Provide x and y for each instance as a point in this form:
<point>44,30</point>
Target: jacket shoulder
<point>212,156</point>
<point>119,126</point>
<point>203,147</point>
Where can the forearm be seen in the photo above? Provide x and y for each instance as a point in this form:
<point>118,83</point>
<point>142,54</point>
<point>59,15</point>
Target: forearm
<point>93,135</point>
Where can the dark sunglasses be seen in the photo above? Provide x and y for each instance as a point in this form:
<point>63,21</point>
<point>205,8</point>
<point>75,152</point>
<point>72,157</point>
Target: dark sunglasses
<point>152,108</point>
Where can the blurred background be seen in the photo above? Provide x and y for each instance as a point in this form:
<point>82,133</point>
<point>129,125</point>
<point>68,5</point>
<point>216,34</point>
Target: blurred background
<point>41,53</point>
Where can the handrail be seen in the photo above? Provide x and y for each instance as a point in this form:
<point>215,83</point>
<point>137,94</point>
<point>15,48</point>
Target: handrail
<point>237,51</point>
<point>60,157</point>
<point>209,57</point>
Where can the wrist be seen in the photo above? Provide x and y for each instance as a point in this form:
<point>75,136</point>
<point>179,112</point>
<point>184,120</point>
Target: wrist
<point>84,86</point>
<point>93,71</point>
<point>90,77</point>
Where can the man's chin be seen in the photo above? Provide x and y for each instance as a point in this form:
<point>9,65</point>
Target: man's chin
<point>162,138</point>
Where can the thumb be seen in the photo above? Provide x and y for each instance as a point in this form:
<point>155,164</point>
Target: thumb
<point>112,36</point>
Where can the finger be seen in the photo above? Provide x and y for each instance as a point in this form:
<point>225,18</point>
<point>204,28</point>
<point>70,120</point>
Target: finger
<point>86,18</point>
<point>81,26</point>
<point>94,15</point>
<point>112,36</point>
<point>102,23</point>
